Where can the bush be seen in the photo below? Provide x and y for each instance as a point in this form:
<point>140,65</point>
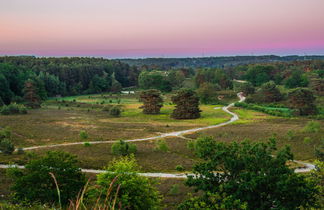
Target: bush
<point>161,145</point>
<point>134,191</point>
<point>13,109</point>
<point>86,144</point>
<point>179,168</point>
<point>276,111</point>
<point>174,190</point>
<point>312,127</point>
<point>307,140</point>
<point>6,146</point>
<point>115,111</point>
<point>35,184</point>
<point>84,135</point>
<point>123,148</point>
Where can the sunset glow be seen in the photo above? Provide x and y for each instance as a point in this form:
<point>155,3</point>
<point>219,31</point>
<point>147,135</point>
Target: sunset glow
<point>170,28</point>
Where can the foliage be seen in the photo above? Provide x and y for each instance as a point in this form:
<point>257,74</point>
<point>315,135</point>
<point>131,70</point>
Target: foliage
<point>212,201</point>
<point>268,93</point>
<point>161,145</point>
<point>152,101</point>
<point>35,184</point>
<point>84,135</point>
<point>179,168</point>
<point>123,148</point>
<point>259,74</point>
<point>135,191</point>
<point>30,95</point>
<point>187,105</point>
<point>317,176</point>
<point>87,144</point>
<point>207,93</point>
<point>214,76</point>
<point>250,174</point>
<point>174,190</point>
<point>13,108</point>
<point>6,146</point>
<point>115,111</point>
<point>296,79</point>
<point>276,111</point>
<point>154,80</point>
<point>312,127</point>
<point>303,101</point>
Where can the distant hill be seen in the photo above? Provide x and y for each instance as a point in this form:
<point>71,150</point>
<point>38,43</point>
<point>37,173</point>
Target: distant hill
<point>214,62</point>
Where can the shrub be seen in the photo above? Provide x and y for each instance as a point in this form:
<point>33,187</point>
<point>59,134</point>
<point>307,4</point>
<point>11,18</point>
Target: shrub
<point>307,140</point>
<point>84,135</point>
<point>291,135</point>
<point>6,146</point>
<point>161,145</point>
<point>174,190</point>
<point>123,148</point>
<point>134,191</point>
<point>312,127</point>
<point>115,111</point>
<point>35,184</point>
<point>13,109</point>
<point>179,168</point>
<point>86,144</point>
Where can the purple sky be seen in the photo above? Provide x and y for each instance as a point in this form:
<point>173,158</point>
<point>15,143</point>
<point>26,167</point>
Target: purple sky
<point>155,28</point>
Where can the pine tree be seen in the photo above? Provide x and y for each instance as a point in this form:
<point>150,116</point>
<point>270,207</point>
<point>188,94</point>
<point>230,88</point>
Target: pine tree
<point>152,101</point>
<point>187,105</point>
<point>31,98</point>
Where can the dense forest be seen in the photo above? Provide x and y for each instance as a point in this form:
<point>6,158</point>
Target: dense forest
<point>213,62</point>
<point>63,76</point>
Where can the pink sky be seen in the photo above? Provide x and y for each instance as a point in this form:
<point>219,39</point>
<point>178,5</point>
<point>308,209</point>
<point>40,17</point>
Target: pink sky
<point>170,28</point>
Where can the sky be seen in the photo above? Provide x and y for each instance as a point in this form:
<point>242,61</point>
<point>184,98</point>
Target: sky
<point>161,28</point>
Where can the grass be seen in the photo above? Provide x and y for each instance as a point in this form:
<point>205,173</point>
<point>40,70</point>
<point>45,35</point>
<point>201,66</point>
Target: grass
<point>50,125</point>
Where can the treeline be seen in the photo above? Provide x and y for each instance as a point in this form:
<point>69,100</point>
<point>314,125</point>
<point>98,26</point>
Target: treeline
<point>212,62</point>
<point>62,76</point>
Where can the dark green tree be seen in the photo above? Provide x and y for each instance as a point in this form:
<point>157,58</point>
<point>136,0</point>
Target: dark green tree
<point>251,173</point>
<point>303,101</point>
<point>187,105</point>
<point>154,80</point>
<point>35,183</point>
<point>268,93</point>
<point>152,101</point>
<point>296,79</point>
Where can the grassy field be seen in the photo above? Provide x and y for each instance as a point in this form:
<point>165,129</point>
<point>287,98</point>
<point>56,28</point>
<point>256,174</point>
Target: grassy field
<point>61,120</point>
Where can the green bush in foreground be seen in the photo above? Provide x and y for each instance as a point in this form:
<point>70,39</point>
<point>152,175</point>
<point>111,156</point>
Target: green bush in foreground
<point>35,184</point>
<point>312,127</point>
<point>6,146</point>
<point>252,174</point>
<point>123,148</point>
<point>13,109</point>
<point>134,191</point>
<point>161,145</point>
<point>83,135</point>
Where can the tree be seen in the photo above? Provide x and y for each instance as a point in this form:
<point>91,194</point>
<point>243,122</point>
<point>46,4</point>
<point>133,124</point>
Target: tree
<point>207,93</point>
<point>5,92</point>
<point>154,80</point>
<point>187,105</point>
<point>30,95</point>
<point>135,192</point>
<point>152,101</point>
<point>176,78</point>
<point>259,74</point>
<point>251,173</point>
<point>245,87</point>
<point>267,93</point>
<point>297,79</point>
<point>35,184</point>
<point>303,101</point>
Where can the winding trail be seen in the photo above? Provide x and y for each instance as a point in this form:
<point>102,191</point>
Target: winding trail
<point>307,166</point>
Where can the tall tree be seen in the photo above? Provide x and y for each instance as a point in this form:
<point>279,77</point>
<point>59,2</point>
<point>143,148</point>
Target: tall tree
<point>30,95</point>
<point>152,100</point>
<point>187,105</point>
<point>207,93</point>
